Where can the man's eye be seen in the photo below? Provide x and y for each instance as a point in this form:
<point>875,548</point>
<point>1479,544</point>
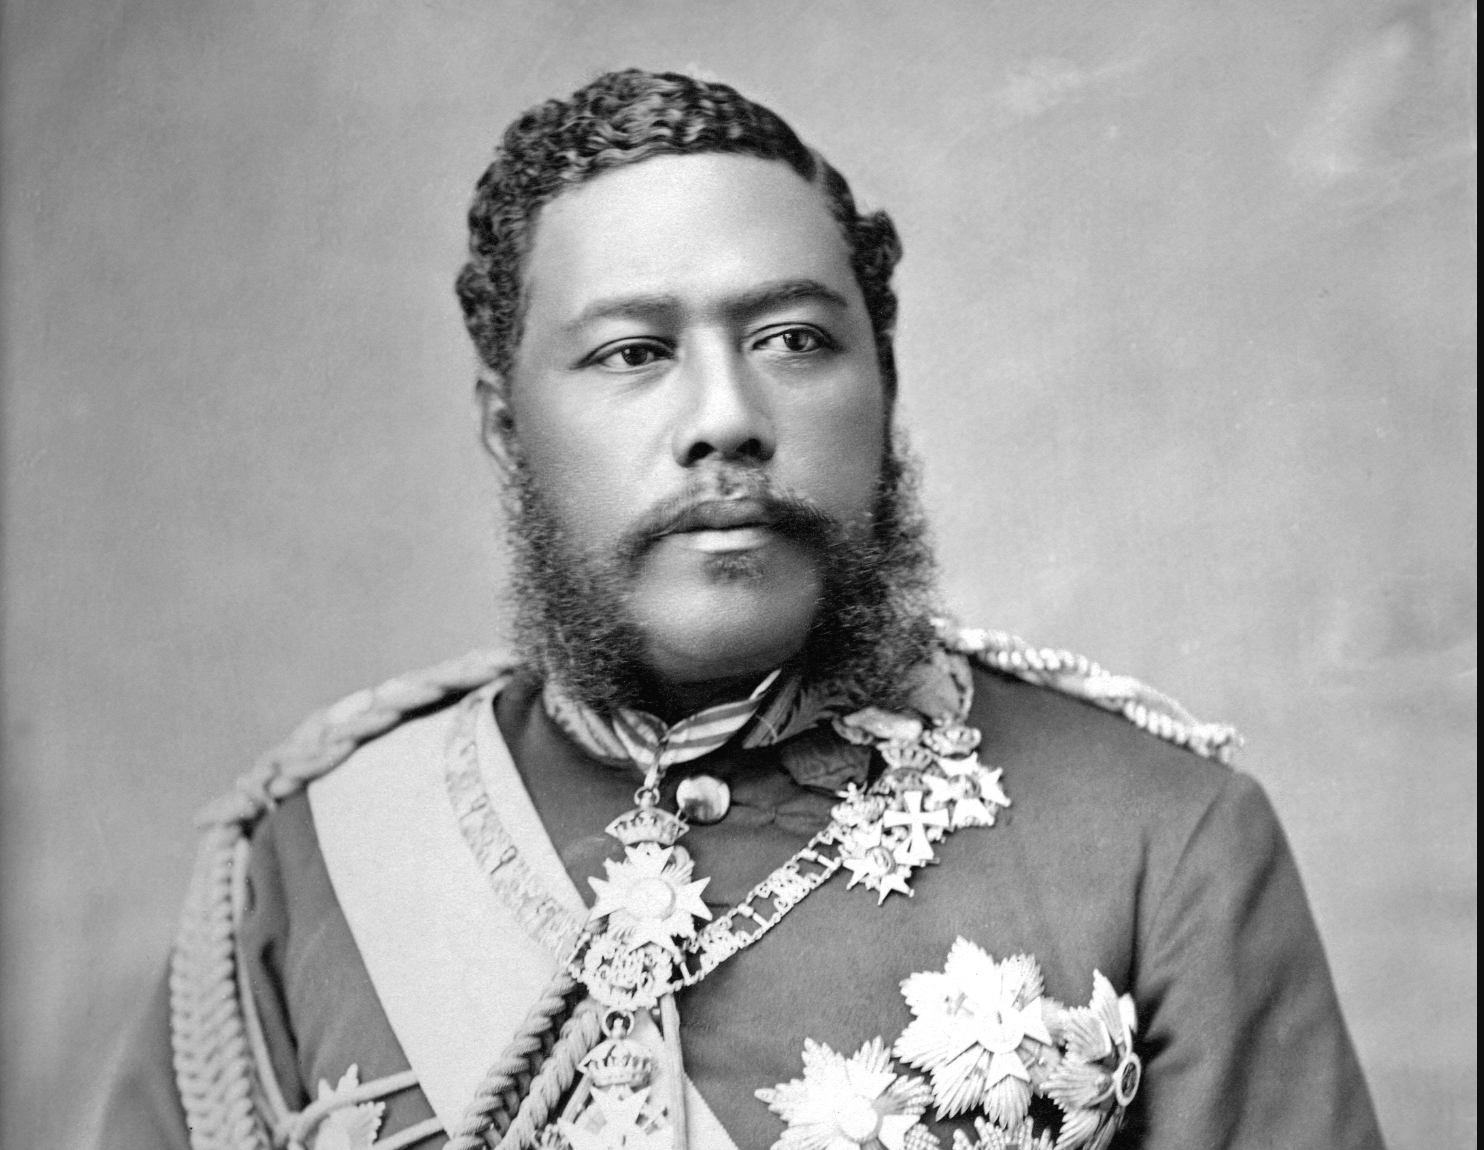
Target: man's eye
<point>633,355</point>
<point>795,341</point>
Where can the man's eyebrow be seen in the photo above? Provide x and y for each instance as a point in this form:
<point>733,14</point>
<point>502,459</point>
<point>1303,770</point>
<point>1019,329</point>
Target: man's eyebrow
<point>768,296</point>
<point>762,298</point>
<point>641,306</point>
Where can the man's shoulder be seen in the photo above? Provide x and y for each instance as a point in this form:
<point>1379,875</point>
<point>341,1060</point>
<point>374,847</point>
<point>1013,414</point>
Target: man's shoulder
<point>1108,807</point>
<point>331,736</point>
<point>1090,752</point>
<point>1040,729</point>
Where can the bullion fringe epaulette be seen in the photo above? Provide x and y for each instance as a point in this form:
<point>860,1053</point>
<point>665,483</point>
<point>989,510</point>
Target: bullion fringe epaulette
<point>231,1098</point>
<point>1080,677</point>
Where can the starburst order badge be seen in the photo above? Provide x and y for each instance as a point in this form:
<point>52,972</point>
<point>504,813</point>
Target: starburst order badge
<point>648,902</point>
<point>649,896</point>
<point>978,1026</point>
<point>620,1120</point>
<point>346,1126</point>
<point>854,1103</point>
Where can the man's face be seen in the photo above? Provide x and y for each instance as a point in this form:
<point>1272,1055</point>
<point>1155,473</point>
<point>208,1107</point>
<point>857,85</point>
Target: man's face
<point>695,344</point>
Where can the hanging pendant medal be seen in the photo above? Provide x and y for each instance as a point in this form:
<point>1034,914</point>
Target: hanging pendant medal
<point>648,902</point>
<point>628,960</point>
<point>614,1103</point>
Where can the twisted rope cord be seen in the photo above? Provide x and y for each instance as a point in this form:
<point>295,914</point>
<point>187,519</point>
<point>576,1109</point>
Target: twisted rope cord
<point>578,1037</point>
<point>214,1065</point>
<point>1080,677</point>
<point>517,1061</point>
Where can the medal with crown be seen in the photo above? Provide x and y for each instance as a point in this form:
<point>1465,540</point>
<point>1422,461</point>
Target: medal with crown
<point>934,783</point>
<point>645,910</point>
<point>646,907</point>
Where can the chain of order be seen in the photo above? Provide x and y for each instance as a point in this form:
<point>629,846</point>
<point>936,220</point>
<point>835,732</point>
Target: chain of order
<point>784,889</point>
<point>513,884</point>
<point>216,1073</point>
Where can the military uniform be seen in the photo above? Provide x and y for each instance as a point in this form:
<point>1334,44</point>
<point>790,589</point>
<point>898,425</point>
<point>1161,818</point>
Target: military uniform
<point>1121,853</point>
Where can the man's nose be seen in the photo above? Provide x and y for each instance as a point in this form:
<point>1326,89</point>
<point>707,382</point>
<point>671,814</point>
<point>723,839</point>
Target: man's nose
<point>725,413</point>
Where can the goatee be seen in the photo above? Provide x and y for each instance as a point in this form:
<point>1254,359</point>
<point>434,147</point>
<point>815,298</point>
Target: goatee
<point>873,625</point>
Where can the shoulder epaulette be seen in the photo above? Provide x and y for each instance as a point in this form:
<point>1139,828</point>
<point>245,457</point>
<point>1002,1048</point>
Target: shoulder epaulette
<point>217,1044</point>
<point>1080,677</point>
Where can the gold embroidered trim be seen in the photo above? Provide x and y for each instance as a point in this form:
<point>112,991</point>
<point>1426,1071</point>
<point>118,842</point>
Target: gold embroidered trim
<point>543,918</point>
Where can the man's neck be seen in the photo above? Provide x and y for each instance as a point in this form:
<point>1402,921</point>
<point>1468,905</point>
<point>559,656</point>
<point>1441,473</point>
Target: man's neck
<point>672,702</point>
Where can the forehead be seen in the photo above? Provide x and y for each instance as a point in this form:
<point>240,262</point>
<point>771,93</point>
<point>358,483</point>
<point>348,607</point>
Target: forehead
<point>696,227</point>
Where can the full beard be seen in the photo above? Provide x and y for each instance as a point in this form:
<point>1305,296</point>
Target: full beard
<point>873,624</point>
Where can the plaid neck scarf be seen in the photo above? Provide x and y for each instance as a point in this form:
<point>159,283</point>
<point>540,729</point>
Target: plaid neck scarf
<point>776,710</point>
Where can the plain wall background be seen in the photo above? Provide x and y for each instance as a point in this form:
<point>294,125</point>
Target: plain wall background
<point>1187,344</point>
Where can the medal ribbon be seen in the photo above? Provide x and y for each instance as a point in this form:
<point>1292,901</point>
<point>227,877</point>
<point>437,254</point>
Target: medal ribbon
<point>773,709</point>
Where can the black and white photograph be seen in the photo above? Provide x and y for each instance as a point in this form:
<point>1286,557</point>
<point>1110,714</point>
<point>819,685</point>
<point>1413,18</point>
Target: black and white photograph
<point>738,575</point>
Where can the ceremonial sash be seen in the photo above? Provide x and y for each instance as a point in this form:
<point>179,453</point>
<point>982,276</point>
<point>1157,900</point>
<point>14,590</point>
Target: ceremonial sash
<point>455,971</point>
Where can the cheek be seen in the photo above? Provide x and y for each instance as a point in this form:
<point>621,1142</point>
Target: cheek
<point>839,447</point>
<point>577,462</point>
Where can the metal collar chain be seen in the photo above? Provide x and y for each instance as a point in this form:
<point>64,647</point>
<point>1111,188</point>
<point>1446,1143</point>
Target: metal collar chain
<point>642,942</point>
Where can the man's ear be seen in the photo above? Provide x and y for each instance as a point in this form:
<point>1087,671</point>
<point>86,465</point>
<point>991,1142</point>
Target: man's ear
<point>496,423</point>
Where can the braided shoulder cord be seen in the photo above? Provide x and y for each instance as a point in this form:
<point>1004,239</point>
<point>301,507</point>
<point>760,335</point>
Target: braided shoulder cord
<point>1080,677</point>
<point>214,1065</point>
<point>579,1036</point>
<point>498,1098</point>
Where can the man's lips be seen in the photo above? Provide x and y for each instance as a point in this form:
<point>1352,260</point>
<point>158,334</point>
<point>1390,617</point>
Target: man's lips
<point>720,515</point>
<point>715,526</point>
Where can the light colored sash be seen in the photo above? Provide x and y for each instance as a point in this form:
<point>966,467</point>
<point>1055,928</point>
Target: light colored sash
<point>455,971</point>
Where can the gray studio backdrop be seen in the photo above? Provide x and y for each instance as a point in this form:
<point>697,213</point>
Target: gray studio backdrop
<point>1186,344</point>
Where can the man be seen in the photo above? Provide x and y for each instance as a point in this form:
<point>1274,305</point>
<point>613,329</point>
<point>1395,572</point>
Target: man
<point>748,847</point>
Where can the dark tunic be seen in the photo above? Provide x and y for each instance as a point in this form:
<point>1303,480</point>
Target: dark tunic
<point>1120,853</point>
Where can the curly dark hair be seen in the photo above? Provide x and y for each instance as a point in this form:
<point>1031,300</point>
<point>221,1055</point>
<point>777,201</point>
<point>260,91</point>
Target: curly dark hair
<point>622,118</point>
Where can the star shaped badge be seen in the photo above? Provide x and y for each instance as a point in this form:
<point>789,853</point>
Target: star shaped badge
<point>854,1103</point>
<point>347,1127</point>
<point>976,792</point>
<point>626,1124</point>
<point>649,897</point>
<point>1097,1080</point>
<point>872,863</point>
<point>979,1025</point>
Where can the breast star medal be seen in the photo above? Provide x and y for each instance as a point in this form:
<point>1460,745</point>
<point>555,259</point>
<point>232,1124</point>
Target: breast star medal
<point>855,1103</point>
<point>346,1126</point>
<point>979,1026</point>
<point>989,1039</point>
<point>1099,1074</point>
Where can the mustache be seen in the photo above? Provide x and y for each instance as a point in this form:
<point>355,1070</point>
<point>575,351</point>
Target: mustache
<point>730,498</point>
